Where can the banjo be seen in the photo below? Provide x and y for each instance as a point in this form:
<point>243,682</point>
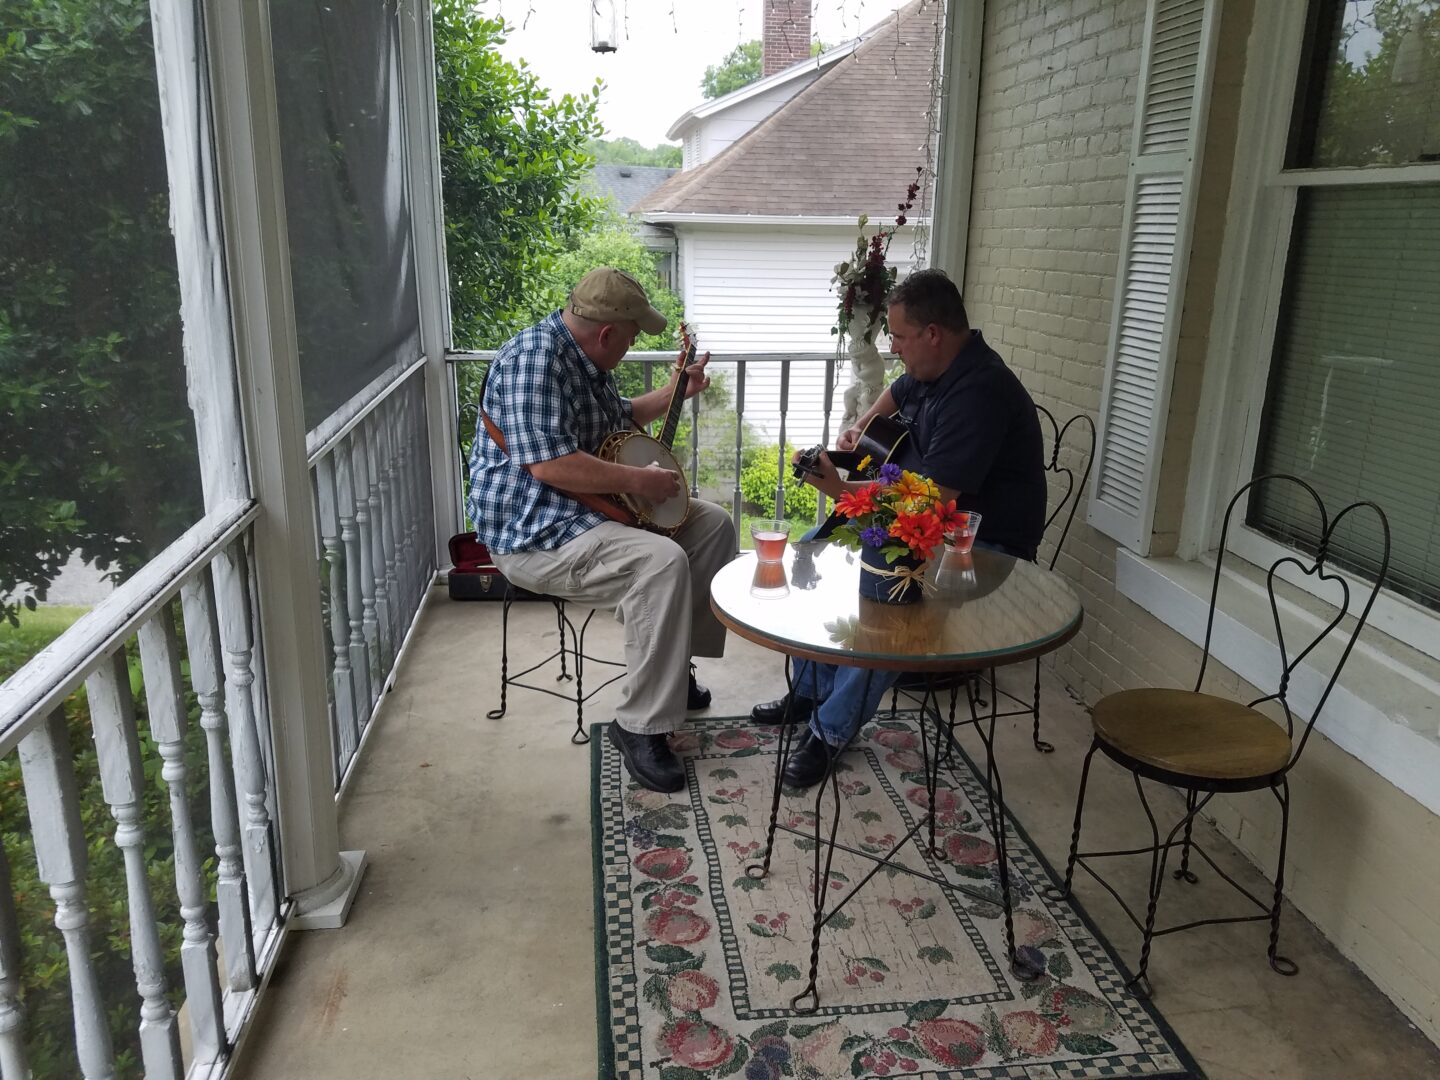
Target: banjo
<point>632,447</point>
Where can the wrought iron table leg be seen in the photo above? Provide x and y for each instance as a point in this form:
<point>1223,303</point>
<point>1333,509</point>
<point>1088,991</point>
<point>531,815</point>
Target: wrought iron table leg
<point>820,883</point>
<point>1023,967</point>
<point>1040,744</point>
<point>782,758</point>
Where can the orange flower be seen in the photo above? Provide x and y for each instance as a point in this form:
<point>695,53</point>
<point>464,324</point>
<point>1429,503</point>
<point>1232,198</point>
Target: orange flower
<point>951,518</point>
<point>854,503</point>
<point>921,533</point>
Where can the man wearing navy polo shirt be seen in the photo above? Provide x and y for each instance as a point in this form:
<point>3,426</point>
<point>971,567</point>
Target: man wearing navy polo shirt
<point>975,432</point>
<point>551,394</point>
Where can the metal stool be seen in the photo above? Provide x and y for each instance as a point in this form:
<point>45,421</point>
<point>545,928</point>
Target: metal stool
<point>577,649</point>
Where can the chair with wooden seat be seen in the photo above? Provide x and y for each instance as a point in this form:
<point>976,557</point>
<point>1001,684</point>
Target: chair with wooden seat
<point>1207,745</point>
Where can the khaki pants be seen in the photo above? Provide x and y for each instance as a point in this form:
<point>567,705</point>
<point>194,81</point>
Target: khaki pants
<point>658,587</point>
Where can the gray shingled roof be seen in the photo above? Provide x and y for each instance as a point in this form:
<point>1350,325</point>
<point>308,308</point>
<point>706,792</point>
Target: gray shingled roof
<point>625,185</point>
<point>847,144</point>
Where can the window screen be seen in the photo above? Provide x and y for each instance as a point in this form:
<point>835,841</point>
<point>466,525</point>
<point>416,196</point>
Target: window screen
<point>1353,405</point>
<point>337,71</point>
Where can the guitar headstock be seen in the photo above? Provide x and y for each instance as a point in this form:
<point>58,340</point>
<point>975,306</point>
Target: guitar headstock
<point>688,346</point>
<point>807,463</point>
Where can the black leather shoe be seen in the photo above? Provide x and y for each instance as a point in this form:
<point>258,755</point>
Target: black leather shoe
<point>649,759</point>
<point>806,766</point>
<point>773,712</point>
<point>698,697</point>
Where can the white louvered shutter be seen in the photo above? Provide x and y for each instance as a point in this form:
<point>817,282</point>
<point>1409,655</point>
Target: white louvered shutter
<point>1150,280</point>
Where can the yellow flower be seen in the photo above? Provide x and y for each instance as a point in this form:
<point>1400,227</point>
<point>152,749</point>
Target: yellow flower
<point>914,486</point>
<point>864,463</point>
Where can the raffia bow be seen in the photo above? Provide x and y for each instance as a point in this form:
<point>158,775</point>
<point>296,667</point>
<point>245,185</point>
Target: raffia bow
<point>903,578</point>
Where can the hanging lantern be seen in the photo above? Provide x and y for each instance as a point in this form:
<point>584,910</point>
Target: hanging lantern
<point>603,31</point>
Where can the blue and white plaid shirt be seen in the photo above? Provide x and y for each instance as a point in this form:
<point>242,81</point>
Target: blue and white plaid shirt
<point>548,399</point>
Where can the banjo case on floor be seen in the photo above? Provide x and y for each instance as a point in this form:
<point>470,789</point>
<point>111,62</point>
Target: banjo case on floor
<point>473,576</point>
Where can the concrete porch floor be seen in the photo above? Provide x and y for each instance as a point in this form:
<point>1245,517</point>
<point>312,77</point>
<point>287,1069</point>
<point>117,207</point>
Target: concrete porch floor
<point>470,954</point>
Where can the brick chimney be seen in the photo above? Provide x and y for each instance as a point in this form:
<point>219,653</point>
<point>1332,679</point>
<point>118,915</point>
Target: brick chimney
<point>787,34</point>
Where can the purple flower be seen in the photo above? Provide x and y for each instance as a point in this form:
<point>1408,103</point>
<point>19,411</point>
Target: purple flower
<point>873,536</point>
<point>889,473</point>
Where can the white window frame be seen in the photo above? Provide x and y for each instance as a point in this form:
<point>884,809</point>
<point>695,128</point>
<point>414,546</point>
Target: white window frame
<point>1264,196</point>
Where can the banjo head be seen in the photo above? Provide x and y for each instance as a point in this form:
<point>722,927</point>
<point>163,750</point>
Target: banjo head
<point>638,449</point>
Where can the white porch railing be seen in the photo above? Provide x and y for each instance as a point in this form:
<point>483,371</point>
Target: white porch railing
<point>376,523</point>
<point>655,366</point>
<point>207,571</point>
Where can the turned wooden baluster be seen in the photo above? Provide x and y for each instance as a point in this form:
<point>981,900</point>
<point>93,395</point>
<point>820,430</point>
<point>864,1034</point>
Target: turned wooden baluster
<point>346,726</point>
<point>232,599</point>
<point>165,701</point>
<point>12,1014</point>
<point>122,780</point>
<point>48,772</point>
<point>370,440</point>
<point>354,603</point>
<point>197,599</point>
<point>365,527</point>
<point>385,464</point>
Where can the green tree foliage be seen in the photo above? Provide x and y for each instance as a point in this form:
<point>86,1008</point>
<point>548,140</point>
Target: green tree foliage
<point>611,243</point>
<point>97,451</point>
<point>1366,117</point>
<point>741,67</point>
<point>623,151</point>
<point>511,159</point>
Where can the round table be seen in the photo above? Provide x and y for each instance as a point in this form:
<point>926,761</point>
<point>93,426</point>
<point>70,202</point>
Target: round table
<point>980,611</point>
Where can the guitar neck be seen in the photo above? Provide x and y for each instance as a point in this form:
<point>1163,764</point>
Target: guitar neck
<point>677,400</point>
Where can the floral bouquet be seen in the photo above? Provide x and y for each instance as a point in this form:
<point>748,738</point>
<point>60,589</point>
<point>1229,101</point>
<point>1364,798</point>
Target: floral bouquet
<point>901,515</point>
<point>865,281</point>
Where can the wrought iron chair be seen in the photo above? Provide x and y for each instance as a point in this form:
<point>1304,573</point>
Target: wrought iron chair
<point>1064,513</point>
<point>575,649</point>
<point>1206,745</point>
<point>563,623</point>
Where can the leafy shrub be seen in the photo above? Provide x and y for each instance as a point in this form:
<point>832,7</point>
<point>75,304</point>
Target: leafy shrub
<point>759,476</point>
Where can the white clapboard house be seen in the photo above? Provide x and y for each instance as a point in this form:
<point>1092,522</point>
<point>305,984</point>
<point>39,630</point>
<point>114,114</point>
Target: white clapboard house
<point>775,176</point>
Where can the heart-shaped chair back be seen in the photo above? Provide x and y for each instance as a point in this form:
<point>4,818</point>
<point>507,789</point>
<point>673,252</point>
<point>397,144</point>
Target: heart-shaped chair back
<point>1351,596</point>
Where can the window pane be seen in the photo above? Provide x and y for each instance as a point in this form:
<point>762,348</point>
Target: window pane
<point>1372,95</point>
<point>338,85</point>
<point>97,445</point>
<point>1354,399</point>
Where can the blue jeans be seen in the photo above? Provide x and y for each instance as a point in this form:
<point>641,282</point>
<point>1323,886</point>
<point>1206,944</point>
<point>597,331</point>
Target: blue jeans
<point>846,700</point>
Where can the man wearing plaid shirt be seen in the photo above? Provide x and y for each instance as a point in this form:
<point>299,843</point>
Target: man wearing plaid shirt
<point>552,395</point>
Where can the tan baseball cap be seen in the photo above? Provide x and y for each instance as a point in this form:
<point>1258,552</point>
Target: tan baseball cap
<point>609,295</point>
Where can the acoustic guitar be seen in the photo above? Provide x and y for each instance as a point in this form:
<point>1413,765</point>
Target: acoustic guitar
<point>882,438</point>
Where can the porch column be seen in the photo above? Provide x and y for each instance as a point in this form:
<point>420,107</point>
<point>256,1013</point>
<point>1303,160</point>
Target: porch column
<point>955,167</point>
<point>427,218</point>
<point>318,876</point>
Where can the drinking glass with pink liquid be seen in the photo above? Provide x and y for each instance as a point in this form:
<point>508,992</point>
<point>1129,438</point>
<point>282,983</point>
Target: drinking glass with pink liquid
<point>770,537</point>
<point>962,538</point>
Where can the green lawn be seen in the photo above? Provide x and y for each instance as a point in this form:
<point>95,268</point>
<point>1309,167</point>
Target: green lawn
<point>36,630</point>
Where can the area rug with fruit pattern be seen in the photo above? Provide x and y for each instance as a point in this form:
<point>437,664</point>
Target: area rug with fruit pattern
<point>697,963</point>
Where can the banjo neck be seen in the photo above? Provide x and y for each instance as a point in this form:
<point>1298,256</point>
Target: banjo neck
<point>677,396</point>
